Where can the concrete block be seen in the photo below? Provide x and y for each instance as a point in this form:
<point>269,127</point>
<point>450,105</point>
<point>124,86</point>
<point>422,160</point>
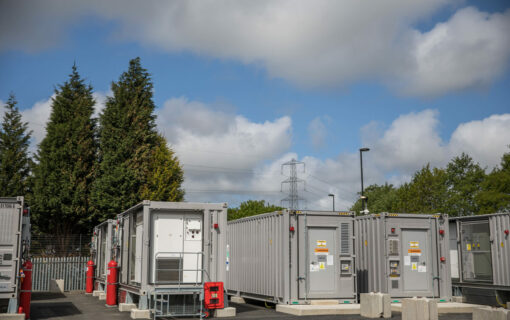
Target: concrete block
<point>237,299</point>
<point>386,303</point>
<point>309,310</point>
<point>57,285</point>
<point>485,313</point>
<point>419,309</point>
<point>375,305</point>
<point>12,316</point>
<point>323,302</point>
<point>409,308</point>
<point>225,312</point>
<point>96,293</point>
<point>459,299</point>
<point>140,314</point>
<point>102,296</point>
<point>123,307</point>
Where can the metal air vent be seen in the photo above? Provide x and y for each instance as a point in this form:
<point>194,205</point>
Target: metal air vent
<point>167,270</point>
<point>344,238</point>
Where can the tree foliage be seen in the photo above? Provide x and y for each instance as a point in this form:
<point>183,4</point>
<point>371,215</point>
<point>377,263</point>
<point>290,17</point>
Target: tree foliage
<point>251,208</point>
<point>15,163</point>
<point>66,156</point>
<point>461,188</point>
<point>495,189</point>
<point>133,159</point>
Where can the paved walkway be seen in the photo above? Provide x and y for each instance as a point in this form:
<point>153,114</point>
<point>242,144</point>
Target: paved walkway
<point>71,306</point>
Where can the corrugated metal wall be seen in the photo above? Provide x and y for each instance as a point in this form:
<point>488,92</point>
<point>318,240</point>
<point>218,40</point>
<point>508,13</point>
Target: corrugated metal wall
<point>257,248</point>
<point>501,249</point>
<point>71,269</point>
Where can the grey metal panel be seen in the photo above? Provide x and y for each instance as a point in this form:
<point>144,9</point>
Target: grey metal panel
<point>214,241</point>
<point>268,261</point>
<point>500,250</point>
<point>380,270</point>
<point>11,211</point>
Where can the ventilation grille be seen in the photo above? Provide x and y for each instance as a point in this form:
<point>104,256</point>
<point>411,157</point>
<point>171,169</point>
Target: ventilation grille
<point>167,270</point>
<point>344,238</point>
<point>393,244</point>
<point>6,221</point>
<point>394,284</point>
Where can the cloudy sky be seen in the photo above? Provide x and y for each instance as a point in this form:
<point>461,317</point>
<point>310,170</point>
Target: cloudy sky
<point>244,86</point>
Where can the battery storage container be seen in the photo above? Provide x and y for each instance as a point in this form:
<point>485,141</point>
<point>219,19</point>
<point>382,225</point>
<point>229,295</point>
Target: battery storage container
<point>404,255</point>
<point>105,247</point>
<point>292,257</point>
<point>14,248</point>
<point>170,249</point>
<point>480,252</point>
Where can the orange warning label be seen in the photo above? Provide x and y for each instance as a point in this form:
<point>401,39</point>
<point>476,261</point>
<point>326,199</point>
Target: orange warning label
<point>414,251</point>
<point>321,250</point>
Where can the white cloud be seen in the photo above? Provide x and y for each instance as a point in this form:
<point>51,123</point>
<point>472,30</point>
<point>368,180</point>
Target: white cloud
<point>324,43</point>
<point>485,140</point>
<point>468,51</point>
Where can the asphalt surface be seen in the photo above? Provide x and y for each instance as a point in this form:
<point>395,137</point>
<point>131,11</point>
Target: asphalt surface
<point>75,306</point>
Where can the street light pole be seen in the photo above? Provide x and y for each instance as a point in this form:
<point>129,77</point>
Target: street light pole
<point>333,196</point>
<point>363,198</point>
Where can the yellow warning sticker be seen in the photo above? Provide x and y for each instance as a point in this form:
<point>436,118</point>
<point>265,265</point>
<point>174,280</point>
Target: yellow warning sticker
<point>414,244</point>
<point>502,245</point>
<point>322,266</point>
<point>414,266</point>
<point>366,243</point>
<point>321,243</point>
<point>468,247</point>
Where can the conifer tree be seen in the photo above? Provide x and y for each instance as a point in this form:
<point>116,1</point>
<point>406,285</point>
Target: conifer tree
<point>66,158</point>
<point>134,162</point>
<point>15,163</point>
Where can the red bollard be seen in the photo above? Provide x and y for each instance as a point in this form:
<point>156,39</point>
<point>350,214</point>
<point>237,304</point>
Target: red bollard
<point>26,289</point>
<point>111,284</point>
<point>89,285</point>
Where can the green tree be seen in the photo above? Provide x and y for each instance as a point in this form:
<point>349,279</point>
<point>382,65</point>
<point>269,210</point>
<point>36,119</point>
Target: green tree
<point>495,189</point>
<point>66,157</point>
<point>381,198</point>
<point>165,175</point>
<point>251,208</point>
<point>130,149</point>
<point>426,193</point>
<point>464,181</point>
<point>15,163</point>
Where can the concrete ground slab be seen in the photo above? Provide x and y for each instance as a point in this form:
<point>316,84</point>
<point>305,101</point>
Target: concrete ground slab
<point>309,310</point>
<point>237,299</point>
<point>225,312</point>
<point>12,316</point>
<point>323,302</point>
<point>140,314</point>
<point>445,307</point>
<point>124,307</point>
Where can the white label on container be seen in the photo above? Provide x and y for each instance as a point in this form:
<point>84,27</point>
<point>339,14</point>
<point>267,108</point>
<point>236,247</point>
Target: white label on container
<point>314,267</point>
<point>422,268</point>
<point>407,260</point>
<point>321,243</point>
<point>330,260</point>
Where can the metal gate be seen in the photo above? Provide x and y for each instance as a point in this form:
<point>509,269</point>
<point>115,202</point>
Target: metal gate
<point>71,269</point>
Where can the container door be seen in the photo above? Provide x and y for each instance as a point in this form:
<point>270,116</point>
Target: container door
<point>476,251</point>
<point>10,213</point>
<point>326,257</point>
<point>322,280</point>
<point>417,261</point>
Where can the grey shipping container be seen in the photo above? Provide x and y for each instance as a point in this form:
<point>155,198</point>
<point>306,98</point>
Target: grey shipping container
<point>480,252</point>
<point>14,249</point>
<point>167,251</point>
<point>292,257</point>
<point>404,255</point>
<point>105,246</point>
